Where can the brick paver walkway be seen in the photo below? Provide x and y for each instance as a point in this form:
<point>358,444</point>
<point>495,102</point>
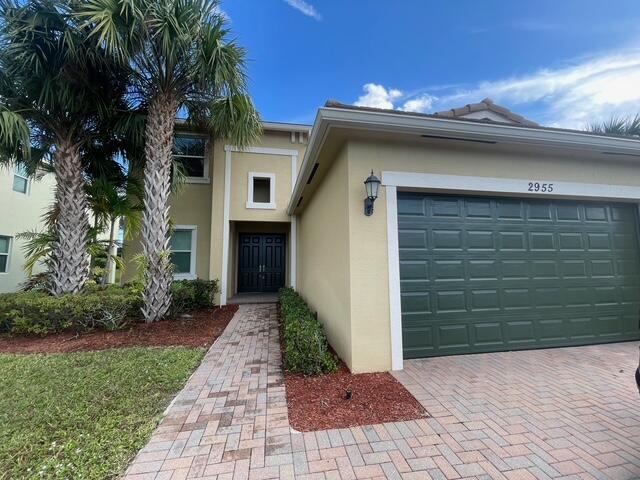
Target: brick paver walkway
<point>567,413</point>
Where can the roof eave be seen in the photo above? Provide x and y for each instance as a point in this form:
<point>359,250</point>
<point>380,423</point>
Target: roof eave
<point>384,121</point>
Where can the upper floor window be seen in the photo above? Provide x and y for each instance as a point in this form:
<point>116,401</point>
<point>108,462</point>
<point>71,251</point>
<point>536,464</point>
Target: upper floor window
<point>189,152</point>
<point>5,244</point>
<point>183,251</point>
<point>261,190</point>
<point>20,180</point>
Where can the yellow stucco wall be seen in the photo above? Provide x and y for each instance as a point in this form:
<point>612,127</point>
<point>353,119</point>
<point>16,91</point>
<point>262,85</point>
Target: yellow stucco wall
<point>189,205</point>
<point>241,164</point>
<point>20,212</point>
<point>202,204</point>
<point>323,253</point>
<point>369,288</point>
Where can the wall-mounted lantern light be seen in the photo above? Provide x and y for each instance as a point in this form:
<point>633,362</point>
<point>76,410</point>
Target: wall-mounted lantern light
<point>372,184</point>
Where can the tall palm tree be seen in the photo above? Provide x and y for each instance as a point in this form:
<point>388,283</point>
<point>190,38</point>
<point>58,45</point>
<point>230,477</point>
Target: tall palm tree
<point>57,93</point>
<point>180,57</point>
<point>628,126</point>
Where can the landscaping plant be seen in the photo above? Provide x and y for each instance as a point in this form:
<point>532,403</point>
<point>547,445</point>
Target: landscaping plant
<point>305,343</point>
<point>39,313</point>
<point>179,57</point>
<point>58,96</point>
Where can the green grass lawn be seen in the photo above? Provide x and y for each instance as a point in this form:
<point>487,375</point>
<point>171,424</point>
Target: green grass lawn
<point>84,415</point>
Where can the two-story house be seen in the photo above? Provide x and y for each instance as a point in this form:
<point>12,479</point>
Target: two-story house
<point>23,201</point>
<point>482,231</point>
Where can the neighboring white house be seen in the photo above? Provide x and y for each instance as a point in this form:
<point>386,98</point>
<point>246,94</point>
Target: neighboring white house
<point>23,201</point>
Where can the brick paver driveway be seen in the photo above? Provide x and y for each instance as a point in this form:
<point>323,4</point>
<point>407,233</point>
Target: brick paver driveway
<point>557,413</point>
<point>566,413</point>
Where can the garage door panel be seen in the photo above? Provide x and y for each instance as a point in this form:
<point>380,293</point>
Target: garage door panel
<point>454,336</point>
<point>552,330</point>
<point>487,334</point>
<point>481,274</point>
<point>520,331</point>
<point>416,303</point>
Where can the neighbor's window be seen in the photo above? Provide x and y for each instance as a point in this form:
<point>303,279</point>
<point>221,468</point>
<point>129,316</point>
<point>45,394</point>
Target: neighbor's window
<point>189,152</point>
<point>262,187</point>
<point>183,252</point>
<point>20,180</point>
<point>5,243</point>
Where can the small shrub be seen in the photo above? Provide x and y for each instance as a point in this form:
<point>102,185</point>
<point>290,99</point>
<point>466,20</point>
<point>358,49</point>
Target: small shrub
<point>305,343</point>
<point>39,313</point>
<point>108,308</point>
<point>192,295</point>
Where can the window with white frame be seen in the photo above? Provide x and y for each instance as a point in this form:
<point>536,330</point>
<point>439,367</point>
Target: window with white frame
<point>5,245</point>
<point>20,180</point>
<point>261,190</point>
<point>190,153</point>
<point>182,246</point>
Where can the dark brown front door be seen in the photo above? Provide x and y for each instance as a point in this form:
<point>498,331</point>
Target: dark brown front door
<point>261,262</point>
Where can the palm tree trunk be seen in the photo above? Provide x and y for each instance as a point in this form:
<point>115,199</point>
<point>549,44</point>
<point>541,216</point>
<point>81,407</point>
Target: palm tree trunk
<point>109,270</point>
<point>70,260</point>
<point>155,219</point>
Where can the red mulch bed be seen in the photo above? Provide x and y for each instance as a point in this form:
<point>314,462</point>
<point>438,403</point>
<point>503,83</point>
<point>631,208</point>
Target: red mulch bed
<point>320,403</point>
<point>201,329</point>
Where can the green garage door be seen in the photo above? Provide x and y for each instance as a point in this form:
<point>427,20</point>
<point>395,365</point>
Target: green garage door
<point>485,274</point>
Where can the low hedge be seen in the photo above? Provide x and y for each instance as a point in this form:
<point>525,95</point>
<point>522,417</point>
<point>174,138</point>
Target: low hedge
<point>39,313</point>
<point>305,343</point>
<point>110,308</point>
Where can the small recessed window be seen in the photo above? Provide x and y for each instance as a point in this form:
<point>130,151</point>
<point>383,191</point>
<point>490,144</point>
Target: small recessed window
<point>5,244</point>
<point>20,180</point>
<point>261,190</point>
<point>183,252</point>
<point>189,152</point>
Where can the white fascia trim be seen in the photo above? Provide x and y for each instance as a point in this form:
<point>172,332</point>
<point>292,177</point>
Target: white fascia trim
<point>328,118</point>
<point>515,186</point>
<point>395,310</point>
<point>285,127</point>
<point>272,191</point>
<point>192,274</point>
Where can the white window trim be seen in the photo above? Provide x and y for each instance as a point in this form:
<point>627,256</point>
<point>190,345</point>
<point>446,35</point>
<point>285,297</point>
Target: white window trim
<point>272,191</point>
<point>8,254</point>
<point>28,180</point>
<point>461,184</point>
<point>205,173</point>
<point>192,274</point>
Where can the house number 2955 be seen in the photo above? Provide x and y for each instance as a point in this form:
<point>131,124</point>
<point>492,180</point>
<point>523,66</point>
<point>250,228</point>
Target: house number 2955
<point>540,187</point>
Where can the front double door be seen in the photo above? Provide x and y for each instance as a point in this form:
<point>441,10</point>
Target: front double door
<point>261,262</point>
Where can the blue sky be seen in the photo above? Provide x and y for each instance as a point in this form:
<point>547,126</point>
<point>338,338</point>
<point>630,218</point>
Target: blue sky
<point>561,63</point>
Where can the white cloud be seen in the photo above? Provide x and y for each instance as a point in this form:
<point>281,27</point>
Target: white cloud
<point>573,96</point>
<point>306,8</point>
<point>377,96</point>
<point>582,92</point>
<point>421,103</point>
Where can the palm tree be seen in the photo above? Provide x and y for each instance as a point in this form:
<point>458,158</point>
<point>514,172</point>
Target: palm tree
<point>110,201</point>
<point>626,126</point>
<point>57,95</point>
<point>180,57</point>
